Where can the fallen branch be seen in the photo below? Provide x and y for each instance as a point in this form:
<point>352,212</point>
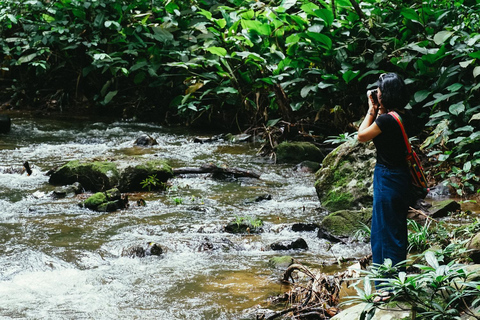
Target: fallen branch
<point>212,168</point>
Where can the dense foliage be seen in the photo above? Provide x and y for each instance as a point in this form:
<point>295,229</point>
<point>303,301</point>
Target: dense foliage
<point>244,63</point>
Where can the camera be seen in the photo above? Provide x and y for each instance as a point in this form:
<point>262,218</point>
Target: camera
<point>374,94</point>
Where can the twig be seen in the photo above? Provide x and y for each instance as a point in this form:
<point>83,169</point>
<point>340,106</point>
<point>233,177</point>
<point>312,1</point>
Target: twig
<point>420,212</point>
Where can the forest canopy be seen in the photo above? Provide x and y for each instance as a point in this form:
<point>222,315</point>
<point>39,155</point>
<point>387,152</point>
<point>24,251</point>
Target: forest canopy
<point>247,64</point>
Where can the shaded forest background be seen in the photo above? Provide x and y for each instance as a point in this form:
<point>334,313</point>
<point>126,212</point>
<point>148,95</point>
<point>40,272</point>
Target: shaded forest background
<point>276,67</point>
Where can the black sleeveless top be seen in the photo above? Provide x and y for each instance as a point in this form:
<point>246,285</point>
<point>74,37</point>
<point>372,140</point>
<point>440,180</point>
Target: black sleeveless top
<point>390,145</point>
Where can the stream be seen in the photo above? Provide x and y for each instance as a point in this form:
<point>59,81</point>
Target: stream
<point>61,261</point>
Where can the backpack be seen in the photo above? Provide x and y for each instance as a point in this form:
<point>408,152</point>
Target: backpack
<point>416,169</point>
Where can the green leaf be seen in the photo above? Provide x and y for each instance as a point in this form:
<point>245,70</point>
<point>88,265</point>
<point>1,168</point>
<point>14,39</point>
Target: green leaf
<point>467,166</point>
<point>305,90</point>
<point>350,75</point>
<point>441,37</point>
<point>465,129</point>
<point>256,26</point>
<point>227,90</point>
<point>455,87</point>
<point>326,15</point>
<point>110,96</point>
<point>476,72</point>
<point>421,95</point>
<point>431,259</point>
<point>272,122</point>
<point>475,117</point>
<point>465,64</point>
<point>219,51</point>
<point>475,55</point>
<point>27,58</point>
<point>324,41</point>
<point>457,108</point>
<point>287,4</point>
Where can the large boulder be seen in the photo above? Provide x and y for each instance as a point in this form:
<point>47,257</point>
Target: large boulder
<point>126,175</point>
<point>296,152</point>
<point>93,176</point>
<point>345,180</point>
<point>147,176</point>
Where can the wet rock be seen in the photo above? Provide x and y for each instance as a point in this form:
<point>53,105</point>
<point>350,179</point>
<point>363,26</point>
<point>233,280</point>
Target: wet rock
<point>324,234</point>
<point>259,198</point>
<point>308,166</point>
<point>345,223</point>
<point>296,152</point>
<point>5,123</point>
<point>145,140</point>
<point>208,245</point>
<point>299,227</point>
<point>299,244</point>
<point>108,201</point>
<point>345,180</point>
<point>127,175</point>
<point>244,226</point>
<point>93,176</point>
<point>156,171</point>
<point>151,249</point>
<point>443,208</point>
<point>64,191</point>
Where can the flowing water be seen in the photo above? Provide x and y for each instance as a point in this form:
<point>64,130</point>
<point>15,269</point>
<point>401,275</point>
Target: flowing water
<point>61,261</point>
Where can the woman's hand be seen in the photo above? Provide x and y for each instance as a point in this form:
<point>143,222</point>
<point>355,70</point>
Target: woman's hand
<point>372,105</point>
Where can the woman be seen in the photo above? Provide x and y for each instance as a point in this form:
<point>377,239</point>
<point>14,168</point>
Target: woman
<point>391,180</point>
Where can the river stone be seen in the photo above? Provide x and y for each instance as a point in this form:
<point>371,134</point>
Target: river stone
<point>443,208</point>
<point>345,180</point>
<point>108,201</point>
<point>93,176</point>
<point>133,175</point>
<point>296,152</point>
<point>299,244</point>
<point>145,140</point>
<point>5,123</point>
<point>345,223</point>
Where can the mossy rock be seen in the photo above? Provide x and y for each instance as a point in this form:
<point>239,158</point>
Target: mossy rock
<point>95,200</point>
<point>132,176</point>
<point>345,180</point>
<point>93,176</point>
<point>296,152</point>
<point>108,201</point>
<point>345,223</point>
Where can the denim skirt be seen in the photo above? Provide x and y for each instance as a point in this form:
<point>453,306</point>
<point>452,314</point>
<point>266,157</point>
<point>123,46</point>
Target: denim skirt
<point>391,198</point>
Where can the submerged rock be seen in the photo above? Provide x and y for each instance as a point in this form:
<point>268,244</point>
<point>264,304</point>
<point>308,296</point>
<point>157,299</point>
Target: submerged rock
<point>64,191</point>
<point>145,140</point>
<point>152,249</point>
